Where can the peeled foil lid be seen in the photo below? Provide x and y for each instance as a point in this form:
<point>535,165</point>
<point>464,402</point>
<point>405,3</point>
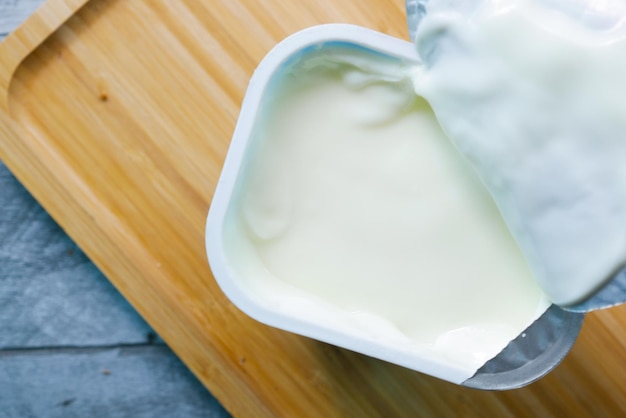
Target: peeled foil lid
<point>598,15</point>
<point>601,15</point>
<point>543,345</point>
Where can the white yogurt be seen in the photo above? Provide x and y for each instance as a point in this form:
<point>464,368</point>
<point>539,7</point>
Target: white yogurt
<point>355,211</point>
<point>534,94</point>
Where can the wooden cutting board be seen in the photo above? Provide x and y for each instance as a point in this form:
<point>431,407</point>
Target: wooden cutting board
<point>117,116</point>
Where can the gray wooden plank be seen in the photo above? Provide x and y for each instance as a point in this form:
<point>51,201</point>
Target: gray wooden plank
<point>125,382</point>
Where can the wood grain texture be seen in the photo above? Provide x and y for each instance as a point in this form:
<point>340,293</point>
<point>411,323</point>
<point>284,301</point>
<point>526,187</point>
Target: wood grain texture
<point>119,123</point>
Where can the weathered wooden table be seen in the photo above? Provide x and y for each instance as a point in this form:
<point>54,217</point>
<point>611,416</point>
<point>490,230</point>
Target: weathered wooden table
<point>70,344</point>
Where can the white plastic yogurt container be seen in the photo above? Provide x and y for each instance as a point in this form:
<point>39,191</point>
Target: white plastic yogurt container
<point>311,228</point>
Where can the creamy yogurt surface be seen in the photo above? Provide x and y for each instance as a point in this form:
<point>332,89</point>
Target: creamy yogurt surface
<point>356,211</point>
<point>534,94</point>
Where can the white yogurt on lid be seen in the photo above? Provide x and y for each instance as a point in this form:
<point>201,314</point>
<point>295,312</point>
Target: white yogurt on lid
<point>534,94</point>
<point>355,211</point>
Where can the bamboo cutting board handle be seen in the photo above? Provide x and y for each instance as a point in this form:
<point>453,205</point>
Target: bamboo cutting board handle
<point>29,35</point>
